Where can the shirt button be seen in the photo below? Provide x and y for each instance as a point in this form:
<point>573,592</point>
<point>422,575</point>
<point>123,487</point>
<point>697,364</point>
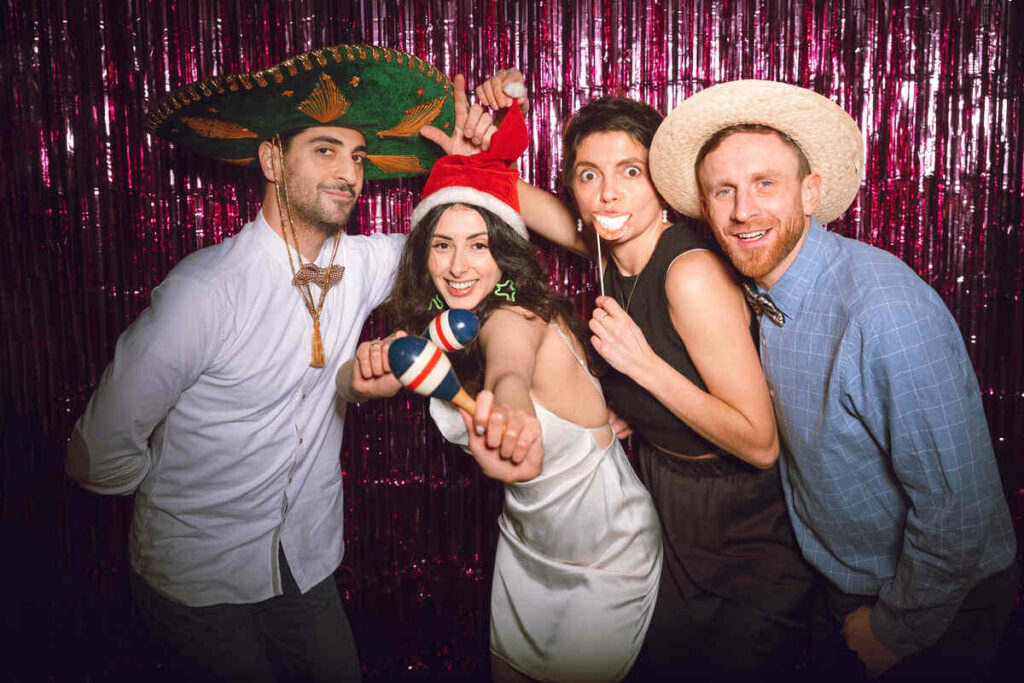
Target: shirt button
<point>764,342</point>
<point>304,397</point>
<point>300,439</point>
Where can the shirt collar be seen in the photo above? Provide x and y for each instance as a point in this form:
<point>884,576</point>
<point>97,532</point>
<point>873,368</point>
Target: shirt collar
<point>279,250</point>
<point>790,291</point>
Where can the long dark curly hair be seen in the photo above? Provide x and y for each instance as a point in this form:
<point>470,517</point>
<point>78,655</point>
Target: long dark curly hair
<point>516,258</point>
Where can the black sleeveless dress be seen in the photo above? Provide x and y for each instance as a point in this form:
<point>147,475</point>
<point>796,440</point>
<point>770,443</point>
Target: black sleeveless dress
<point>734,587</point>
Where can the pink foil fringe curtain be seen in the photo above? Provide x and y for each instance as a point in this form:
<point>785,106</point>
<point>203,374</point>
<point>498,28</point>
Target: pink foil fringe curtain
<point>95,212</point>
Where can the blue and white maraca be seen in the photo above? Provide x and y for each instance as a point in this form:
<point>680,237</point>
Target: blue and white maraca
<point>453,330</point>
<point>422,367</point>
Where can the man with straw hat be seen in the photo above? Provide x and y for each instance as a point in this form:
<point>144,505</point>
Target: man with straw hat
<point>218,410</point>
<point>888,470</point>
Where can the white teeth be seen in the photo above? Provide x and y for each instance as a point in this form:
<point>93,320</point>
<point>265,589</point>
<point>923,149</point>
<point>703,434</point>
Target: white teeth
<point>462,285</point>
<point>751,235</point>
<point>609,223</point>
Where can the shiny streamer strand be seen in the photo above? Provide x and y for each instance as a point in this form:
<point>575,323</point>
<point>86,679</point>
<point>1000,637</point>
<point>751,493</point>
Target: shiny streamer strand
<point>97,212</point>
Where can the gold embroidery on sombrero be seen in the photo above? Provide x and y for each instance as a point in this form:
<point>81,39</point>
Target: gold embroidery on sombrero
<point>325,103</point>
<point>396,163</point>
<point>415,118</point>
<point>215,128</point>
<point>218,85</point>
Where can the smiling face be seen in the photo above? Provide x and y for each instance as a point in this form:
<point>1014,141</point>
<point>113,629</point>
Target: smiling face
<point>324,174</point>
<point>460,261</point>
<point>757,205</point>
<point>612,187</point>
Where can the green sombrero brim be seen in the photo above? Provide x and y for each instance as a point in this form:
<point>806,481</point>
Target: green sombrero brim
<point>385,94</point>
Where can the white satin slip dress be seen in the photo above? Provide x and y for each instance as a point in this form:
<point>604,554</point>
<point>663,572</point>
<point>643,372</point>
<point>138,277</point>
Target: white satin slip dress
<point>578,558</point>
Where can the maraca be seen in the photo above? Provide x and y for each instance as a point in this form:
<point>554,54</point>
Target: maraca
<point>422,367</point>
<point>453,329</point>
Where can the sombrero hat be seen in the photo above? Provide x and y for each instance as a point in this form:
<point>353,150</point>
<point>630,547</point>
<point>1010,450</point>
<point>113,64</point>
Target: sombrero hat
<point>385,94</point>
<point>827,135</point>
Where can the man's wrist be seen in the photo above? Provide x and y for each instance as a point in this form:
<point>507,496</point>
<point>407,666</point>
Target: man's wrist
<point>891,633</point>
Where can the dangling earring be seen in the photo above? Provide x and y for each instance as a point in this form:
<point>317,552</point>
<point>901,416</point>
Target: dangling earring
<point>579,225</point>
<point>506,290</point>
<point>664,215</point>
<point>436,304</point>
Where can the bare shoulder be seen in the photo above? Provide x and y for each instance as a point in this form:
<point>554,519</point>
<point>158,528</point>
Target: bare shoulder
<point>700,275</point>
<point>512,322</point>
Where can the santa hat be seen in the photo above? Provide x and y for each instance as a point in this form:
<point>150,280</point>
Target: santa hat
<point>483,180</point>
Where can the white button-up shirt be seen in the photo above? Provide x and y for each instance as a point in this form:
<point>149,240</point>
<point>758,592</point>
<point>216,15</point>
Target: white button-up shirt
<point>212,415</point>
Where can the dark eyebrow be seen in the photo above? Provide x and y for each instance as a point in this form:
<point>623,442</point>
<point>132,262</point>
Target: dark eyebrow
<point>334,141</point>
<point>631,161</point>
<point>468,237</point>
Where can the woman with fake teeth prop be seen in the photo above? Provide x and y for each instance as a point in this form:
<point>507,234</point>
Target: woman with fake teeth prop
<point>579,552</point>
<point>679,335</point>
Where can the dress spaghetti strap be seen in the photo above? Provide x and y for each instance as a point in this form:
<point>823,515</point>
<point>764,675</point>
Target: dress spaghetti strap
<point>583,364</point>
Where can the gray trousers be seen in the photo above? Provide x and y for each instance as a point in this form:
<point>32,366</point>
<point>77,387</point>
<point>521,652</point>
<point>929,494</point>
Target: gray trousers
<point>290,637</point>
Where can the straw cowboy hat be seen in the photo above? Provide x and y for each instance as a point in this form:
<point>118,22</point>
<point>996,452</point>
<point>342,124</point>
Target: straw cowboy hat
<point>827,135</point>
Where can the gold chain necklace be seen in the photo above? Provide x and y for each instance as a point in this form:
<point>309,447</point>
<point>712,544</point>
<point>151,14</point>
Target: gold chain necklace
<point>657,238</point>
<point>629,299</point>
<point>318,359</point>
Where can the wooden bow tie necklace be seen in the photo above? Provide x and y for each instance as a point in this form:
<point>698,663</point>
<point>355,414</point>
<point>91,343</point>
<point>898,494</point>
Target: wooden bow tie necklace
<point>306,273</point>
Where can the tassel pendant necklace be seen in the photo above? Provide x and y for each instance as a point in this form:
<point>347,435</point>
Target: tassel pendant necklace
<point>307,273</point>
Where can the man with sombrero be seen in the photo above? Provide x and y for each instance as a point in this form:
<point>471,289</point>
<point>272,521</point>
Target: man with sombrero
<point>218,410</point>
<point>888,471</point>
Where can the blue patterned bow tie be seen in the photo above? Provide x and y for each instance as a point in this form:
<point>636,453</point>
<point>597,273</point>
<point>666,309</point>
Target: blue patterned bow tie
<point>762,304</point>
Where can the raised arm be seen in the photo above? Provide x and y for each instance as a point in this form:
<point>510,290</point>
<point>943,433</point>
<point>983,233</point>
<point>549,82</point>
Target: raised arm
<point>542,212</point>
<point>547,216</point>
<point>709,314</point>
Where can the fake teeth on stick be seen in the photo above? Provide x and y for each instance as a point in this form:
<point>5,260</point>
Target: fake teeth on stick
<point>422,367</point>
<point>453,329</point>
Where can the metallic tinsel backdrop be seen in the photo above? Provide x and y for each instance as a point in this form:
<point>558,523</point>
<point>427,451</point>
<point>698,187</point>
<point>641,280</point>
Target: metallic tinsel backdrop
<point>95,212</point>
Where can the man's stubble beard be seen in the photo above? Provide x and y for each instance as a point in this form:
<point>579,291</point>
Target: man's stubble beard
<point>308,211</point>
<point>757,264</point>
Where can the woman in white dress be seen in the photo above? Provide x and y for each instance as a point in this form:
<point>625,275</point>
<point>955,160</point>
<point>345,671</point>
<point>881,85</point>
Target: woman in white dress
<point>579,553</point>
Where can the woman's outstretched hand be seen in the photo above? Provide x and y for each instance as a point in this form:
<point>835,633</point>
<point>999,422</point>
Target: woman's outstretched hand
<point>619,340</point>
<point>506,444</point>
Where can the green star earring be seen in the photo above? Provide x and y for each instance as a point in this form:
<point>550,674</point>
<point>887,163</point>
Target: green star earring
<point>506,290</point>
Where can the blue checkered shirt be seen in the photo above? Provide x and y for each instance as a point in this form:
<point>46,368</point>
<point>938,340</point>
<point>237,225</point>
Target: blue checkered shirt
<point>888,467</point>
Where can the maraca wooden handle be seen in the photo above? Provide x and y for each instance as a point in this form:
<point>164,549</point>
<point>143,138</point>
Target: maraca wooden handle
<point>465,401</point>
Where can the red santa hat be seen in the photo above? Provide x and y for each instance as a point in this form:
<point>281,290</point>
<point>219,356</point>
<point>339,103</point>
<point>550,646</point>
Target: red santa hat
<point>484,180</point>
